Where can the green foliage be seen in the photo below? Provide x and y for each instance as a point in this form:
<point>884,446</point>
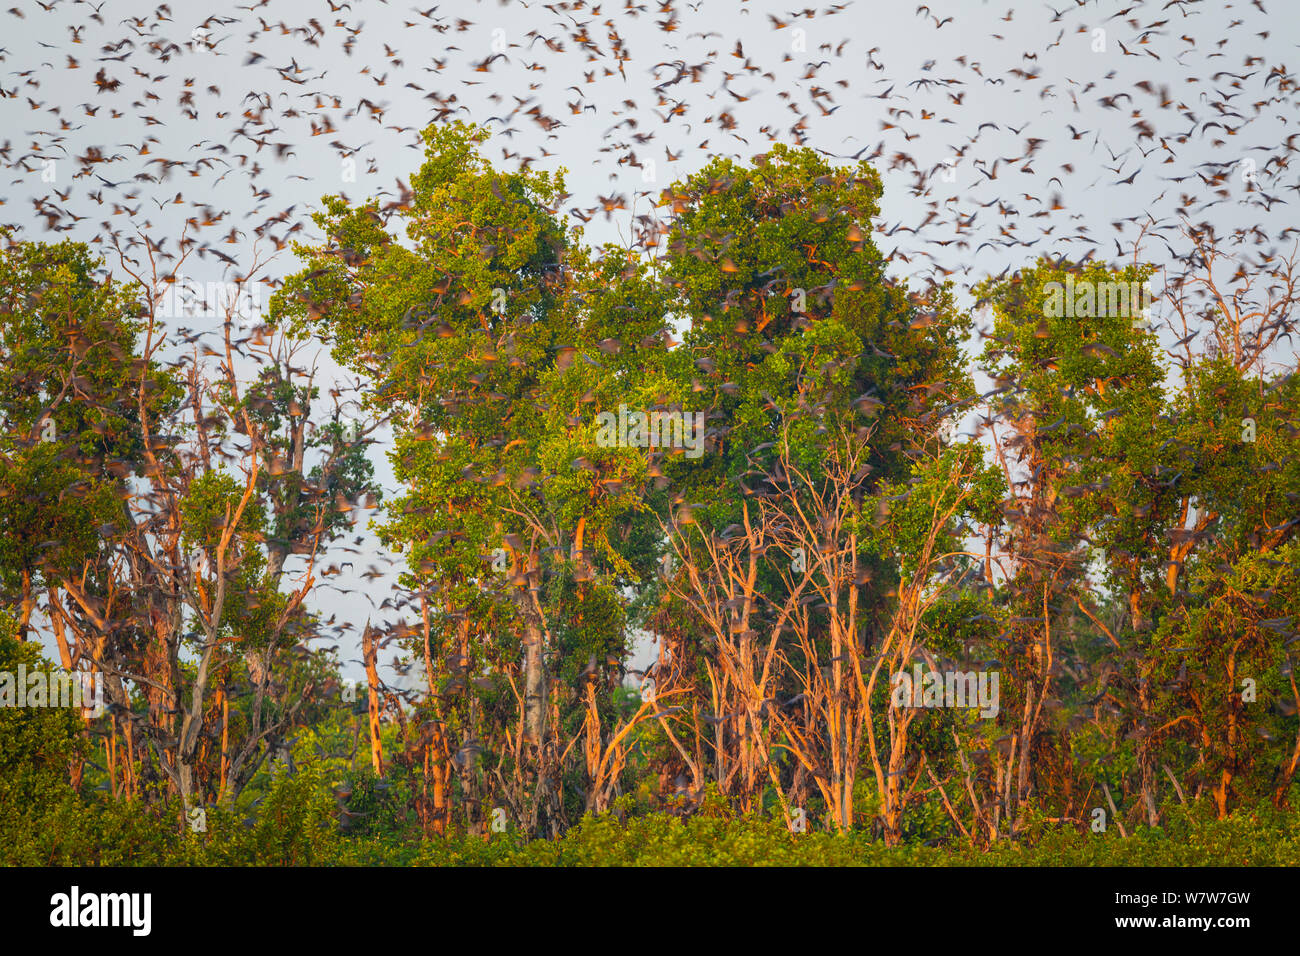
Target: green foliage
<point>38,745</point>
<point>1136,591</point>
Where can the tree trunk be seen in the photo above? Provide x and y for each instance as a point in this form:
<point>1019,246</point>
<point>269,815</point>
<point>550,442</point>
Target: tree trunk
<point>534,679</point>
<point>372,698</point>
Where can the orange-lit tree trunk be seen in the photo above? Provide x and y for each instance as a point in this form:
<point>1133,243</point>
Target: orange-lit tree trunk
<point>370,655</point>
